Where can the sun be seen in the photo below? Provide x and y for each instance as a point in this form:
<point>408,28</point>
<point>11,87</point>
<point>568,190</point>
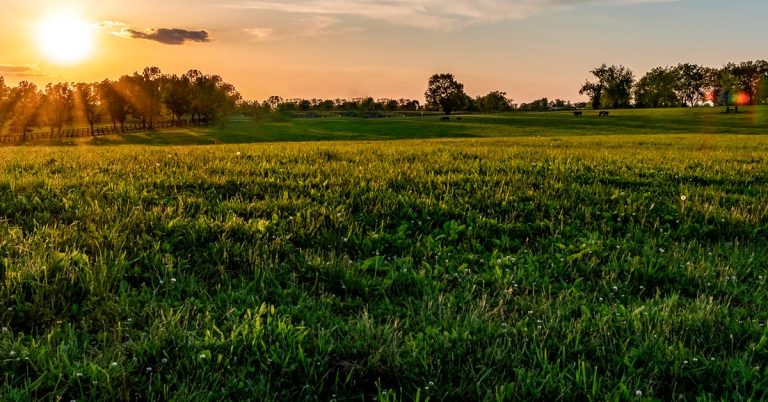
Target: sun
<point>65,39</point>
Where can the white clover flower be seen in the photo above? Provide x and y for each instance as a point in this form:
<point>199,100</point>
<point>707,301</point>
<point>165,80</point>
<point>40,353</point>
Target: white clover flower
<point>238,153</point>
<point>114,364</point>
<point>639,393</point>
<point>202,356</point>
<point>173,280</point>
<point>683,198</point>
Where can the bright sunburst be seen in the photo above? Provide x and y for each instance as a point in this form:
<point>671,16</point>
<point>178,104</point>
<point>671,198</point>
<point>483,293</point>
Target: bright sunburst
<point>65,39</point>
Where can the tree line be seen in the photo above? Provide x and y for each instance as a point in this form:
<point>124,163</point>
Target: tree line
<point>683,85</point>
<point>444,94</point>
<point>144,97</point>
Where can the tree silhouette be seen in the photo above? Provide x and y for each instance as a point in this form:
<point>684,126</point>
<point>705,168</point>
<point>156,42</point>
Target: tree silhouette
<point>691,79</point>
<point>87,104</point>
<point>444,91</point>
<point>4,103</point>
<point>24,105</point>
<point>114,102</point>
<point>177,96</point>
<point>57,106</point>
<point>613,86</point>
<point>657,88</point>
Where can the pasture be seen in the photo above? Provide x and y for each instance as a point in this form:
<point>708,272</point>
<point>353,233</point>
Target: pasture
<point>510,257</point>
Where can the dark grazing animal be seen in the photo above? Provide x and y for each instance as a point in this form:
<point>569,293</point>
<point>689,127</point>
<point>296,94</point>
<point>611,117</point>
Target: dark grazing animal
<point>604,113</point>
<point>445,118</point>
<point>578,113</point>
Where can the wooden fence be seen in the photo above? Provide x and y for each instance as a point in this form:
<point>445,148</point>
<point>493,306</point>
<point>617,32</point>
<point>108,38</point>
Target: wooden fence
<point>99,131</point>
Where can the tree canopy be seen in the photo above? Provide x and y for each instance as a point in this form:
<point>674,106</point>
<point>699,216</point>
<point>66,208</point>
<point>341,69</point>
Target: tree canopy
<point>445,92</point>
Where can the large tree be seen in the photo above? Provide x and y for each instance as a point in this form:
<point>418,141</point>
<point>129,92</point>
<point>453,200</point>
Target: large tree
<point>177,96</point>
<point>657,88</point>
<point>748,76</point>
<point>4,103</point>
<point>24,108</point>
<point>691,82</point>
<point>114,101</point>
<point>445,92</point>
<point>57,106</point>
<point>88,104</point>
<point>595,92</point>
<point>613,87</point>
<point>146,98</point>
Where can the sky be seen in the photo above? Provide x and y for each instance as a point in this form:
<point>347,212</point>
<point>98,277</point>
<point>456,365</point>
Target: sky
<point>529,49</point>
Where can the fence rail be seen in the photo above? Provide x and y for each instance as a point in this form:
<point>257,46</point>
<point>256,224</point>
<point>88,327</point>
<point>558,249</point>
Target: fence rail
<point>99,131</point>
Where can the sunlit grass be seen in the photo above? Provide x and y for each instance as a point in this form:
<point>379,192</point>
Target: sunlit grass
<point>560,267</point>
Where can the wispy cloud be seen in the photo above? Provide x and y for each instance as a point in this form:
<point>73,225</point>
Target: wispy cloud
<point>20,71</point>
<point>306,26</point>
<point>167,36</point>
<point>259,34</point>
<point>445,14</point>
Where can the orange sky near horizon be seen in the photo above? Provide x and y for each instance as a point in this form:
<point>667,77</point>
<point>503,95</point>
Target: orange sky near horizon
<point>385,49</point>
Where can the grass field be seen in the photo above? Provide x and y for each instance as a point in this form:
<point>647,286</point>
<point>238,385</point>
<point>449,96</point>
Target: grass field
<point>753,120</point>
<point>540,257</point>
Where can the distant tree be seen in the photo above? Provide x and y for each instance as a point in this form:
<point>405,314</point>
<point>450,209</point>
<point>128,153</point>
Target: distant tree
<point>367,104</point>
<point>408,105</point>
<point>539,105</point>
<point>57,107</point>
<point>471,104</point>
<point>177,96</point>
<point>25,101</point>
<point>4,103</point>
<point>88,104</point>
<point>559,104</point>
<point>114,102</point>
<point>657,88</point>
<point>691,82</point>
<point>212,98</point>
<point>762,94</point>
<point>304,105</point>
<point>748,76</point>
<point>146,95</point>
<point>273,101</point>
<point>494,102</point>
<point>391,105</point>
<point>444,91</point>
<point>326,105</point>
<point>613,87</point>
<point>595,92</point>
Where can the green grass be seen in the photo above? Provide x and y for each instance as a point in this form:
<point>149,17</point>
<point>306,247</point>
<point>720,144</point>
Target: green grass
<point>566,266</point>
<point>753,120</point>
